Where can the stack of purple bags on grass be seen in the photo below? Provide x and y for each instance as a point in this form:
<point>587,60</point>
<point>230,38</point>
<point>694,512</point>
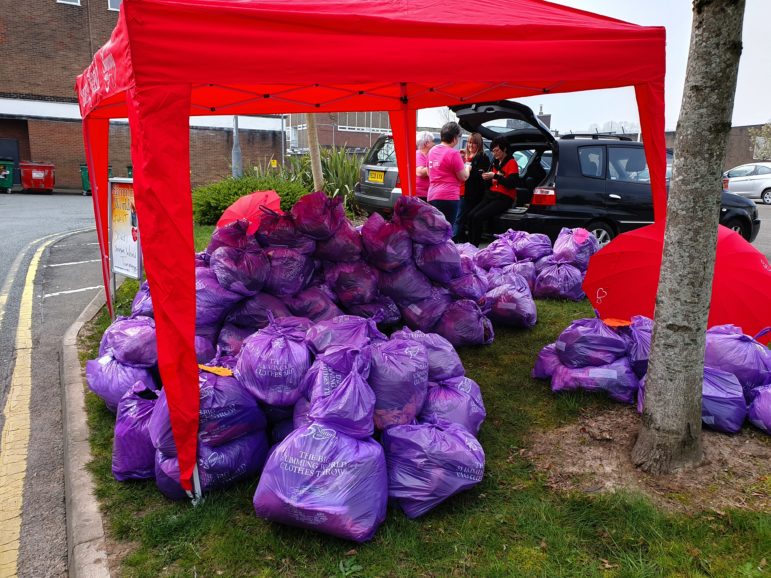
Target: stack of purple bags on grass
<point>591,356</point>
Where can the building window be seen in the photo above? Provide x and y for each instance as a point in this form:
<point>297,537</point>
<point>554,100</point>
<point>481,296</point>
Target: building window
<point>113,4</point>
<point>71,2</point>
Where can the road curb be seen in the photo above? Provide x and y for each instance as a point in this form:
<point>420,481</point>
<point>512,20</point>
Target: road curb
<point>86,551</point>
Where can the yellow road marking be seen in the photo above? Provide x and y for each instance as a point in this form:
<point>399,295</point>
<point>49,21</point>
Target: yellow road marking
<point>14,440</point>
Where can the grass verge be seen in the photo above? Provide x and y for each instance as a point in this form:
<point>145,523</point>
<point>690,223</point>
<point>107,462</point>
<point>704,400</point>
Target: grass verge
<point>509,525</point>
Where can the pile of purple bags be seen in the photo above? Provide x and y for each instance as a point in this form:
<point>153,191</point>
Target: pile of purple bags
<point>591,356</point>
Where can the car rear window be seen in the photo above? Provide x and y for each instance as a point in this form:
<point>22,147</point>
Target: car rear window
<point>382,153</point>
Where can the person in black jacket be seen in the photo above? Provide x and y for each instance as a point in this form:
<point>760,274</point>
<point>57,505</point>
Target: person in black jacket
<point>504,180</point>
<point>476,187</point>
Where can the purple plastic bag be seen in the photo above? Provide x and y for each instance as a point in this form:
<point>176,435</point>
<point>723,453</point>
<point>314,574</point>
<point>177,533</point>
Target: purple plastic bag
<point>423,222</point>
<point>440,263</point>
<point>353,283</point>
<point>406,285</point>
<point>318,215</point>
<point>456,400</point>
<point>463,323</point>
<point>325,481</point>
<point>424,314</point>
<point>348,408</point>
<point>205,348</point>
<point>638,337</point>
<point>218,467</point>
<point>280,431</point>
<point>142,305</point>
<point>212,301</point>
<point>546,362</point>
<point>300,415</point>
<point>314,304</point>
<point>511,304</point>
<point>575,246</point>
<point>131,341</point>
<point>559,281</point>
<point>133,454</point>
<point>399,377</point>
<point>542,263</point>
<point>331,368</point>
<point>227,411</point>
<point>472,286</point>
<point>524,268</point>
<point>290,272</point>
<point>723,407</point>
<point>467,250</point>
<point>241,270</point>
<point>272,364</point>
<point>759,412</point>
<point>729,349</point>
<point>616,379</point>
<point>280,231</point>
<point>428,463</point>
<point>533,246</point>
<point>110,379</point>
<point>231,338</point>
<point>496,254</point>
<point>382,308</point>
<point>589,342</point>
<point>231,235</point>
<point>387,245</point>
<point>443,360</point>
<point>253,312</point>
<point>343,246</point>
<point>345,330</point>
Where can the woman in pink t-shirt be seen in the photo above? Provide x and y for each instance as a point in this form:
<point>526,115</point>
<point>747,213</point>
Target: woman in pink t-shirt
<point>446,172</point>
<point>424,141</point>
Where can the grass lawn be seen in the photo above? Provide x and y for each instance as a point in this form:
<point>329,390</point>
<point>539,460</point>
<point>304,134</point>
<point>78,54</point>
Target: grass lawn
<point>509,525</point>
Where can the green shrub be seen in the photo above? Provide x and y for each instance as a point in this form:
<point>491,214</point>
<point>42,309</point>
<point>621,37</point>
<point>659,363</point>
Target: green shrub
<point>209,201</point>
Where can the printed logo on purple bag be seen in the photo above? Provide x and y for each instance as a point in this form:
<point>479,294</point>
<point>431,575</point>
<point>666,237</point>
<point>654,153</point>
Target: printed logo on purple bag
<point>473,445</point>
<point>464,386</point>
<point>413,351</point>
<point>310,519</point>
<point>319,432</point>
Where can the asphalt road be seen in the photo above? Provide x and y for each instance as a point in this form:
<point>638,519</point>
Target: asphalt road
<point>763,242</point>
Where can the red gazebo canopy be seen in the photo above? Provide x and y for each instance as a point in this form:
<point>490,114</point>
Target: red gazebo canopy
<point>171,59</point>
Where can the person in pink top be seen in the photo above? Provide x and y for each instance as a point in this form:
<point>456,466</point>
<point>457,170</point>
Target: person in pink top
<point>446,172</point>
<point>424,142</point>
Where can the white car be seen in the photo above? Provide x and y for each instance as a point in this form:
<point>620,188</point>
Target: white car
<point>752,180</point>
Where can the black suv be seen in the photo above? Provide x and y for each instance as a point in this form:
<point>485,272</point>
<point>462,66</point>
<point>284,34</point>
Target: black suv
<point>597,182</point>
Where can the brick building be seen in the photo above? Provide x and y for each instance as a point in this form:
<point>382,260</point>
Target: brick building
<point>355,131</point>
<point>45,44</point>
<point>740,147</point>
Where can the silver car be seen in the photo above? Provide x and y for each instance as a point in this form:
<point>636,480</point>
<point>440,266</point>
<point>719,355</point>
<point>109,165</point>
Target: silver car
<point>752,180</point>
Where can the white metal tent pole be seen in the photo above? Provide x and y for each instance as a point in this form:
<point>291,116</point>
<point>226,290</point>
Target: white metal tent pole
<point>238,166</point>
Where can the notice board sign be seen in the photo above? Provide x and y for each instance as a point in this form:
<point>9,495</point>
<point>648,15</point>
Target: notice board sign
<point>125,248</point>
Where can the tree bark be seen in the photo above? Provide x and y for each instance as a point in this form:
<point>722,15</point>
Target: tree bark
<point>315,152</point>
<point>670,437</point>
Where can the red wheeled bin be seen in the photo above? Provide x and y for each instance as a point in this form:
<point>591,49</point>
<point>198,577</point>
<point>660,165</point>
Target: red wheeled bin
<point>38,177</point>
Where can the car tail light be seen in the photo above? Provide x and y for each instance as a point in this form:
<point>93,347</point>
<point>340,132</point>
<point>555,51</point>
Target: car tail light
<point>398,181</point>
<point>544,196</point>
<point>725,183</point>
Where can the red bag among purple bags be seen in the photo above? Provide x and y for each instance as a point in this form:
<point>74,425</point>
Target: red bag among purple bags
<point>353,283</point>
<point>314,304</point>
<point>406,285</point>
<point>110,379</point>
<point>575,246</point>
<point>426,313</point>
<point>325,481</point>
<point>133,454</point>
<point>440,262</point>
<point>242,270</point>
<point>343,246</point>
<point>131,340</point>
<point>345,330</point>
<point>387,245</point>
<point>443,360</point>
<point>318,215</point>
<point>559,281</point>
<point>290,272</point>
<point>463,323</point>
<point>511,304</point>
<point>428,463</point>
<point>616,379</point>
<point>589,342</point>
<point>456,400</point>
<point>423,222</point>
<point>399,377</point>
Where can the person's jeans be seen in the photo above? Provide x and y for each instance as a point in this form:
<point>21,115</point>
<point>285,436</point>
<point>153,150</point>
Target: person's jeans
<point>467,204</point>
<point>448,208</point>
<point>491,206</point>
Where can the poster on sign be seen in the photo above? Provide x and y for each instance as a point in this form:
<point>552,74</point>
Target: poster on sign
<point>125,250</point>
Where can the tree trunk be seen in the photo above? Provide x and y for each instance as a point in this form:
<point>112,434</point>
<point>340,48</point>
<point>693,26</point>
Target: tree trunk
<point>315,152</point>
<point>670,437</point>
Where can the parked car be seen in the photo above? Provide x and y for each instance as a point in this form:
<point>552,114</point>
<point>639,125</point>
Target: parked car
<point>752,181</point>
<point>597,182</point>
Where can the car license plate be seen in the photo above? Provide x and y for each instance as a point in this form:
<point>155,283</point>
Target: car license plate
<point>376,177</point>
<point>38,174</point>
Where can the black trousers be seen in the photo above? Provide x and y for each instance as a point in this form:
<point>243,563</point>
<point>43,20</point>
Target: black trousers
<point>492,205</point>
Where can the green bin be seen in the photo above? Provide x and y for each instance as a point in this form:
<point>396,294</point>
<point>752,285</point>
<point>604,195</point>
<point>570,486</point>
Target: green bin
<point>130,171</point>
<point>85,183</point>
<point>7,166</point>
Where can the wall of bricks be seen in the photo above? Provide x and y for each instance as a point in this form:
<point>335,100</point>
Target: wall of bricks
<point>738,151</point>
